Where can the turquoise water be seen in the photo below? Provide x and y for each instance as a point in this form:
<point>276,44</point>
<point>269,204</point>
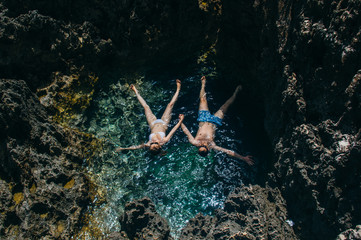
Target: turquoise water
<point>180,183</point>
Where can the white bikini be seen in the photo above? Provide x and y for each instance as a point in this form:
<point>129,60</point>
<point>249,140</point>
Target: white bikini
<point>161,134</point>
<point>158,121</point>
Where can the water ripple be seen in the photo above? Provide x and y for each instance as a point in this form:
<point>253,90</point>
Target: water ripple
<point>181,183</point>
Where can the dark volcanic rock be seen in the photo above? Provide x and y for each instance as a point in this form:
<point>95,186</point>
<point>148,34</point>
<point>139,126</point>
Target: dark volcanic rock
<point>306,73</point>
<point>39,38</point>
<point>249,213</point>
<point>141,221</point>
<point>354,234</point>
<point>33,46</point>
<point>43,190</point>
<point>300,61</point>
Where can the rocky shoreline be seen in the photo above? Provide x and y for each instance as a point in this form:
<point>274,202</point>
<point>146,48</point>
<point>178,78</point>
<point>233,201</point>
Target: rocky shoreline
<point>299,61</point>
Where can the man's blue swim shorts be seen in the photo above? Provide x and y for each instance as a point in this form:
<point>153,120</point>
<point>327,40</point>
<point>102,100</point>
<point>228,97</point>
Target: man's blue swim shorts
<point>206,116</point>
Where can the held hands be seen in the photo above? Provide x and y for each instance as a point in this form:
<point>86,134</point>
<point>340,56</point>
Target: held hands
<point>181,117</point>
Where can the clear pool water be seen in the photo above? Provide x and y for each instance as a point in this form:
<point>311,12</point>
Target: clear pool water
<point>180,183</point>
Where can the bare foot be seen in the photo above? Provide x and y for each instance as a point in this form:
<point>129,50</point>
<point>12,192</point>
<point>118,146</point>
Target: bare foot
<point>133,88</point>
<point>238,89</point>
<point>178,83</point>
<point>203,79</point>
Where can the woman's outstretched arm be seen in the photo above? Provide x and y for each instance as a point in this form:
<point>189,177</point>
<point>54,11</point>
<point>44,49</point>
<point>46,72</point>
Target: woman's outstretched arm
<point>171,133</point>
<point>131,148</point>
<point>248,159</point>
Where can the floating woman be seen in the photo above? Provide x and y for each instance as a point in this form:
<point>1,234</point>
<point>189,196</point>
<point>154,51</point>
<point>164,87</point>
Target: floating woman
<point>158,127</point>
<point>208,123</point>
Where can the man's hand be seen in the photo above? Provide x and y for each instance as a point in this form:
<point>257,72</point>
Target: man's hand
<point>181,117</point>
<point>249,159</point>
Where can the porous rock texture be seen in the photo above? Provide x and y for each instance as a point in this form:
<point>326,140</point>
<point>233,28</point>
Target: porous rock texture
<point>305,68</point>
<point>249,212</point>
<point>141,221</point>
<point>43,189</point>
<point>299,63</point>
<point>354,234</point>
<point>44,192</point>
<point>39,38</point>
<point>313,115</point>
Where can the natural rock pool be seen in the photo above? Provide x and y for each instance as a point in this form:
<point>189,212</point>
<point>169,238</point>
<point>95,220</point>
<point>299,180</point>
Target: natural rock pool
<point>180,183</point>
<point>299,63</point>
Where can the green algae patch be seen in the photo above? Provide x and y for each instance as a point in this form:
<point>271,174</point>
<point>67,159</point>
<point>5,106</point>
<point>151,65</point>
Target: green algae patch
<point>92,226</point>
<point>97,192</point>
<point>91,229</point>
<point>33,189</point>
<point>207,63</point>
<point>90,146</point>
<point>214,6</point>
<point>18,198</point>
<point>68,96</point>
<point>69,184</point>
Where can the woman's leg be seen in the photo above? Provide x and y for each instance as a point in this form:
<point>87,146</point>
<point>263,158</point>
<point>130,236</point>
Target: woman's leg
<point>220,113</point>
<point>148,112</point>
<point>203,105</point>
<point>167,115</point>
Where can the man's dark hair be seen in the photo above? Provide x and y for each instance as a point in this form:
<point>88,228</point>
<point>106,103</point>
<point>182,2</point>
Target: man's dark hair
<point>204,152</point>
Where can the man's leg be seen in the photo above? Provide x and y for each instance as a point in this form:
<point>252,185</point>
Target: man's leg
<point>148,112</point>
<point>203,104</point>
<point>220,113</point>
<point>167,115</point>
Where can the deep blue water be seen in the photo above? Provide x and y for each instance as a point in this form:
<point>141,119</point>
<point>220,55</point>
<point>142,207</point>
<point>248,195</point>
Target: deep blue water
<point>180,183</point>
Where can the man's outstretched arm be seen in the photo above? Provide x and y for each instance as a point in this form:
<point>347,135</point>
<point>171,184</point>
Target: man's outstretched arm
<point>248,159</point>
<point>171,133</point>
<point>189,135</point>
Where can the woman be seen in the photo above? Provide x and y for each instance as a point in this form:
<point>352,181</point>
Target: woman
<point>208,123</point>
<point>158,127</point>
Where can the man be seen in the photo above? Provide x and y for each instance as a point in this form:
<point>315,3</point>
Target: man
<point>208,123</point>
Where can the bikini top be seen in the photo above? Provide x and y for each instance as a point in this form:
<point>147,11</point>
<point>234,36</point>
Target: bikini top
<point>161,134</point>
